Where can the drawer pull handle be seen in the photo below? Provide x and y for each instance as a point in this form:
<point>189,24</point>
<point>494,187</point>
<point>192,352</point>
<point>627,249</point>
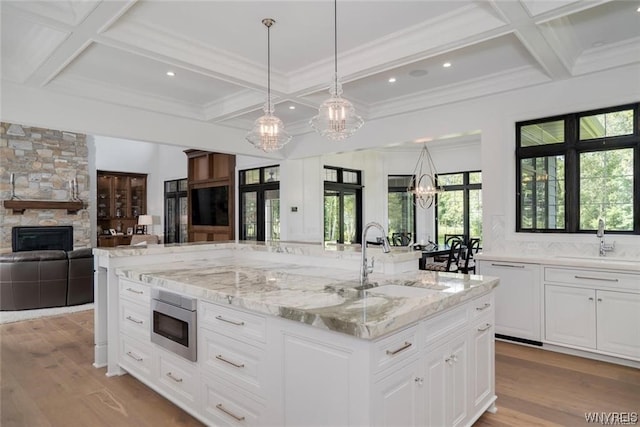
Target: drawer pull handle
<point>406,345</point>
<point>484,307</point>
<point>139,322</point>
<point>170,375</point>
<point>134,357</point>
<point>135,291</point>
<point>226,411</point>
<point>487,326</point>
<point>219,357</point>
<point>230,321</point>
<point>507,265</point>
<point>604,279</point>
<point>590,298</point>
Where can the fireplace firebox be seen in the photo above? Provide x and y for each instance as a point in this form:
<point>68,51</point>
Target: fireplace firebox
<point>37,238</point>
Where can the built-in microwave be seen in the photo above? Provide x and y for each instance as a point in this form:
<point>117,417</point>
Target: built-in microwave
<point>173,319</point>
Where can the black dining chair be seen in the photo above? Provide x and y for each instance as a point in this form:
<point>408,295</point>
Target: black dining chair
<point>468,263</point>
<point>452,262</point>
<point>402,238</point>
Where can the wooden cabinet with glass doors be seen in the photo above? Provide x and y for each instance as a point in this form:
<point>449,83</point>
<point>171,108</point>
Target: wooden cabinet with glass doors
<point>121,198</point>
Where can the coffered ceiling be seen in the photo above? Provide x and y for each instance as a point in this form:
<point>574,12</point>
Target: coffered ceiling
<point>120,51</point>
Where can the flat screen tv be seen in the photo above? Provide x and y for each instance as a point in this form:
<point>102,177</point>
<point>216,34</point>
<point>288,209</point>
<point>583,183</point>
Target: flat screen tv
<point>210,206</point>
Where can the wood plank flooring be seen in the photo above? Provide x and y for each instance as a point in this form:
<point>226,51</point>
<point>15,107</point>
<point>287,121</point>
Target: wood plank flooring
<point>47,380</point>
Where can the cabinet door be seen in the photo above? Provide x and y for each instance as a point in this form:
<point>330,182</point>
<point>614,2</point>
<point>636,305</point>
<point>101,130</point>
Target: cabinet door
<point>396,398</point>
<point>517,298</point>
<point>618,328</point>
<point>570,315</point>
<point>482,362</point>
<point>446,379</point>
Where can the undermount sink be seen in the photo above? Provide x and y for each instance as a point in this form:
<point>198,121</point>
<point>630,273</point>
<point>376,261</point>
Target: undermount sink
<point>401,291</point>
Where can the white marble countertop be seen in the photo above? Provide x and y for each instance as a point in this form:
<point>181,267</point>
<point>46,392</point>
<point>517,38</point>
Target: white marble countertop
<point>321,297</point>
<point>594,262</point>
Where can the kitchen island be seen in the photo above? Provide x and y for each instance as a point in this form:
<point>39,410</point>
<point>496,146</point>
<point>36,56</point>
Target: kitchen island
<point>286,342</point>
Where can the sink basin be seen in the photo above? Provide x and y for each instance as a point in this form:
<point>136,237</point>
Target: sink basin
<point>401,291</point>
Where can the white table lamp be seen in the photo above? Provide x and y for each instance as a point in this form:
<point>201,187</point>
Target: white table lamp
<point>145,220</point>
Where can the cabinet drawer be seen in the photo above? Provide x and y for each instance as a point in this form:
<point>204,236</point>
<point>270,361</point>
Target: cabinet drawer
<point>178,377</point>
<point>224,405</point>
<point>237,362</point>
<point>592,278</point>
<point>136,357</point>
<point>396,348</point>
<point>232,322</point>
<point>444,324</point>
<point>134,320</point>
<point>481,306</point>
<point>135,291</point>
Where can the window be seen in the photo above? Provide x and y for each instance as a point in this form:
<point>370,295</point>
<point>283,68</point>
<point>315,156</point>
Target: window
<point>459,208</point>
<point>175,211</point>
<point>401,208</point>
<point>342,205</point>
<point>573,170</point>
<point>260,204</point>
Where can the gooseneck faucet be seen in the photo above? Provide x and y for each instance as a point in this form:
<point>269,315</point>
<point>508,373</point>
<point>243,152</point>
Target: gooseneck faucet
<point>604,247</point>
<point>365,268</point>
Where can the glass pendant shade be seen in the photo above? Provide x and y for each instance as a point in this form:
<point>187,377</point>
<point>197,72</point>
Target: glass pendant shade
<point>423,185</point>
<point>268,133</point>
<point>336,119</point>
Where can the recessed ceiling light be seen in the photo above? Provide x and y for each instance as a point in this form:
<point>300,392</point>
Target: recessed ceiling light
<point>171,74</point>
<point>418,73</point>
<point>446,64</point>
<point>638,9</point>
<point>392,79</point>
<point>292,107</point>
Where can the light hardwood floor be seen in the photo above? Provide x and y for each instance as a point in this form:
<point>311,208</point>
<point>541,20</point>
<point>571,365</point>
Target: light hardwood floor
<point>47,380</point>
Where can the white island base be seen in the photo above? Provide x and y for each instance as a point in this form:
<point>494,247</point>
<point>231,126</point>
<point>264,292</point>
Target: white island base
<point>255,369</point>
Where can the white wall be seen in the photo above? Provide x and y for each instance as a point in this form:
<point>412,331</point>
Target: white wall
<point>160,162</point>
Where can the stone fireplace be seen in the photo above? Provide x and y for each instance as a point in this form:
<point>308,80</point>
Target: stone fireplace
<point>43,162</point>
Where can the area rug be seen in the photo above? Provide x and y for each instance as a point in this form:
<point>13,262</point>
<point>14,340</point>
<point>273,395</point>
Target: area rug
<point>17,316</point>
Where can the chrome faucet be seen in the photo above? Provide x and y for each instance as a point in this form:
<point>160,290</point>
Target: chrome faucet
<point>365,268</point>
<point>604,247</point>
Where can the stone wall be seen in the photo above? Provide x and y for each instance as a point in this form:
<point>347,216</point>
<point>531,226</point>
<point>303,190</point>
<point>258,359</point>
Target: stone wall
<point>43,161</point>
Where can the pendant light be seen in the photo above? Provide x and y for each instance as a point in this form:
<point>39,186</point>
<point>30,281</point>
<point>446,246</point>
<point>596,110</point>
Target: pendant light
<point>336,119</point>
<point>268,133</point>
<point>423,185</point>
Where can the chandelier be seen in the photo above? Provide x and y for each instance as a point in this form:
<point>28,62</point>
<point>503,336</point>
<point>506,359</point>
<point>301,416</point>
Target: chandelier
<point>336,119</point>
<point>423,185</point>
<point>268,133</point>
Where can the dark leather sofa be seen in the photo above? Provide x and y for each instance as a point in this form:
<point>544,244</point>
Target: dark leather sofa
<point>49,278</point>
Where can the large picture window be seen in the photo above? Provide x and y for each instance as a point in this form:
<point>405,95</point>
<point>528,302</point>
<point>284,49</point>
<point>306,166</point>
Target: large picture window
<point>459,207</point>
<point>575,169</point>
<point>342,205</point>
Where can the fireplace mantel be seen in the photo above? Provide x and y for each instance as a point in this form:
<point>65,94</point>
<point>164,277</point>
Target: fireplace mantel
<point>19,206</point>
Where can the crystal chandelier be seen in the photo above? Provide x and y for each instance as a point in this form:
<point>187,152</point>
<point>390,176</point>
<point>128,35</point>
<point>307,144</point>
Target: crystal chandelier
<point>336,119</point>
<point>268,133</point>
<point>423,185</point>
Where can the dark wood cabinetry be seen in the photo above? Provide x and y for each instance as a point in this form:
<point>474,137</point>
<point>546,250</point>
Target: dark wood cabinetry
<point>121,198</point>
<point>211,196</point>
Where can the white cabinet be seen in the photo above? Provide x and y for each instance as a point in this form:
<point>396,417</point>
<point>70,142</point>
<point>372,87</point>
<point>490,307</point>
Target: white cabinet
<point>397,397</point>
<point>570,315</point>
<point>618,316</point>
<point>517,298</point>
<point>452,382</point>
<point>593,310</point>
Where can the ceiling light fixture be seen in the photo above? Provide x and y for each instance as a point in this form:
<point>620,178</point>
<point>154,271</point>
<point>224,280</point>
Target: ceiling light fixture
<point>268,133</point>
<point>392,80</point>
<point>292,107</point>
<point>336,119</point>
<point>446,64</point>
<point>171,74</point>
<point>423,184</point>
